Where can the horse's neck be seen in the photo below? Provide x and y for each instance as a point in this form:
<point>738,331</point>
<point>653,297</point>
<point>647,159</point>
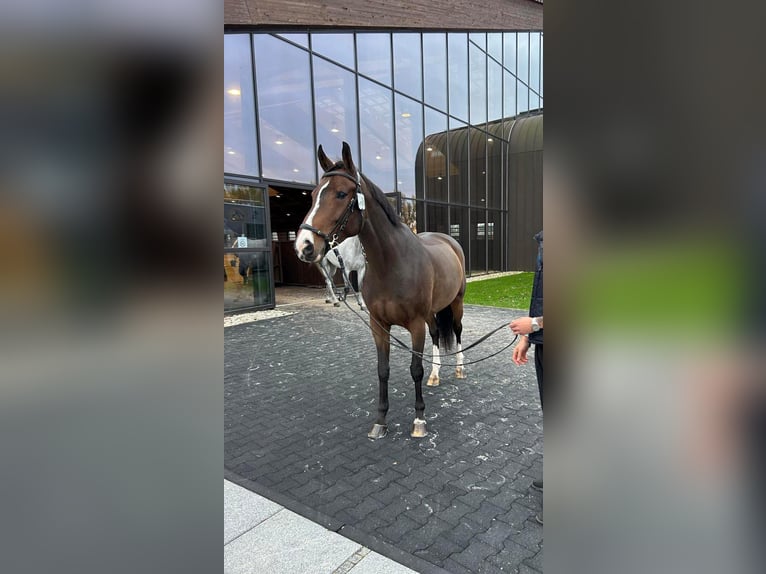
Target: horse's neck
<point>384,244</point>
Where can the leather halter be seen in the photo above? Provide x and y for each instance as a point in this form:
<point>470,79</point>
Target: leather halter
<point>331,238</point>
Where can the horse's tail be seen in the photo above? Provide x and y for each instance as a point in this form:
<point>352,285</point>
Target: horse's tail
<point>444,320</point>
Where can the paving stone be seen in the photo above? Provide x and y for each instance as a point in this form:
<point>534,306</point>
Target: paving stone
<point>475,553</point>
<point>243,510</point>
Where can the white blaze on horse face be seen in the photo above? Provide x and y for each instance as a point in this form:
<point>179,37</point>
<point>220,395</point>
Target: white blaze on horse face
<point>305,235</point>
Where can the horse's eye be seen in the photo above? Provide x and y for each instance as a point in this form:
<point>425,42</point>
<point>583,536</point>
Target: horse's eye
<point>341,194</point>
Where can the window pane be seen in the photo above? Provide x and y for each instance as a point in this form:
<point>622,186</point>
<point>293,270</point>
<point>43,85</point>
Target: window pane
<point>407,77</point>
<point>377,145</point>
<point>495,46</point>
<point>458,162</point>
<point>522,58</point>
<point>478,164</point>
<point>494,241</point>
<point>245,270</point>
<point>436,143</point>
<point>301,39</point>
<point>509,95</point>
<point>437,218</point>
<point>478,258</point>
<point>534,100</point>
<point>409,214</point>
<point>435,70</point>
<point>522,97</point>
<point>542,64</point>
<point>409,136</point>
<point>374,54</point>
<point>285,110</point>
<point>480,39</point>
<point>337,47</point>
<point>239,146</point>
<point>509,52</point>
<point>335,103</point>
<point>494,91</point>
<point>494,172</point>
<point>478,82</point>
<point>458,75</point>
<point>534,62</point>
<point>460,231</point>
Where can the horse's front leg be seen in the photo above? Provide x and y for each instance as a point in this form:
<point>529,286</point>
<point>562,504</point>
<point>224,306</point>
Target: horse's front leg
<point>418,332</point>
<point>380,334</point>
<point>359,279</point>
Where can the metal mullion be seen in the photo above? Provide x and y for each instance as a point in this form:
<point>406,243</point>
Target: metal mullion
<point>393,113</point>
<point>255,103</point>
<point>358,102</point>
<point>313,104</point>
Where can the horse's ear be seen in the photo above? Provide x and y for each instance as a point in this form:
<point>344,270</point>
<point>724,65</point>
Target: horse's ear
<point>348,162</point>
<point>324,161</point>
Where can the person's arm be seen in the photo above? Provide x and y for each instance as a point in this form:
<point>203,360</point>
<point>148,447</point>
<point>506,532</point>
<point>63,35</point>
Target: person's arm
<point>525,325</point>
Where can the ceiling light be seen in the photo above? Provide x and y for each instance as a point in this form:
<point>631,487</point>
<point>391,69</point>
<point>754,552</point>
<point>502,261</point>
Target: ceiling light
<point>429,148</point>
<point>406,114</point>
<point>279,142</point>
<point>378,157</point>
<point>230,152</point>
<point>289,214</point>
<point>490,140</point>
<point>233,92</point>
<point>296,170</point>
<point>305,193</point>
<point>439,178</point>
<point>335,130</point>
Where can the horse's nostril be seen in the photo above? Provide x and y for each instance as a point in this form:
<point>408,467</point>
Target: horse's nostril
<point>308,249</point>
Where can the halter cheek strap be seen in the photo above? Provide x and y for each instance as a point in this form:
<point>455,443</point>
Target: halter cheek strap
<point>331,238</point>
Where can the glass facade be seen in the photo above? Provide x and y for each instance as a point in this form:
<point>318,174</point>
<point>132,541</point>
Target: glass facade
<point>428,116</point>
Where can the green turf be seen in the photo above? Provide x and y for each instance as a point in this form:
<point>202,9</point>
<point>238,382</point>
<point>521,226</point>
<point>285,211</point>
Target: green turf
<point>511,291</point>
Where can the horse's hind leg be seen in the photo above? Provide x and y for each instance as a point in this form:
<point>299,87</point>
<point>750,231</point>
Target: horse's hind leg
<point>359,279</point>
<point>433,379</point>
<point>418,332</point>
<point>457,327</point>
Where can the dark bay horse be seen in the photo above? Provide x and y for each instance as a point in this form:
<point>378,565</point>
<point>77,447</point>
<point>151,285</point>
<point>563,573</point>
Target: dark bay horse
<point>412,280</point>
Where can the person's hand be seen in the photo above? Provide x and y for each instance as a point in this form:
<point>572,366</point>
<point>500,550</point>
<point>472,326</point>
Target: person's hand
<point>520,351</point>
<point>521,326</point>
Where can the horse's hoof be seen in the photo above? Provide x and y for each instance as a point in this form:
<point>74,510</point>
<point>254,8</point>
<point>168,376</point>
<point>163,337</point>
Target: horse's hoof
<point>418,429</point>
<point>433,381</point>
<point>378,431</point>
<point>460,373</point>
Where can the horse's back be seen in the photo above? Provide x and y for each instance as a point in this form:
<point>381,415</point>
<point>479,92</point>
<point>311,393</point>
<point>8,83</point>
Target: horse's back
<point>435,242</point>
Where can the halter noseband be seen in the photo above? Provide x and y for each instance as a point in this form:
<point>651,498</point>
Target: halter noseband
<point>331,238</point>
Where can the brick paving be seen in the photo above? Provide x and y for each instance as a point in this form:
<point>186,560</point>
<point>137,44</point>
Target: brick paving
<point>300,396</point>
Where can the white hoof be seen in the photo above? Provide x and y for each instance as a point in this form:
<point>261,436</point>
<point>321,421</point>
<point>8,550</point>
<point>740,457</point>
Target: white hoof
<point>460,373</point>
<point>433,381</point>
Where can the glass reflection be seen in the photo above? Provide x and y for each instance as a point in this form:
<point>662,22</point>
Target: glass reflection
<point>436,151</point>
<point>495,241</point>
<point>459,230</point>
<point>377,145</point>
<point>285,110</point>
<point>410,214</point>
<point>509,95</point>
<point>435,70</point>
<point>437,217</point>
<point>494,91</point>
<point>337,47</point>
<point>478,83</point>
<point>495,156</point>
<point>458,162</point>
<point>335,107</point>
<point>247,250</point>
<point>457,46</point>
<point>478,256</point>
<point>374,55</point>
<point>522,57</point>
<point>478,166</point>
<point>407,76</point>
<point>239,144</point>
<point>495,46</point>
<point>534,62</point>
<point>409,137</point>
<point>509,52</point>
<point>522,97</point>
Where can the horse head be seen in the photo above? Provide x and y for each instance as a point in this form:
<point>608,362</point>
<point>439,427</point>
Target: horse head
<point>336,208</point>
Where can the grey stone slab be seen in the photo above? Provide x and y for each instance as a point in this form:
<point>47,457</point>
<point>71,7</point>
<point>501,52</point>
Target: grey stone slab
<point>287,543</point>
<point>376,564</point>
<point>242,510</point>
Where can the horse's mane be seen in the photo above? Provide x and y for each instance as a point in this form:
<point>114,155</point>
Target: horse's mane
<point>377,195</point>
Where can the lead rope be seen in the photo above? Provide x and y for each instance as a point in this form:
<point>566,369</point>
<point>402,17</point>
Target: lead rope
<point>406,347</point>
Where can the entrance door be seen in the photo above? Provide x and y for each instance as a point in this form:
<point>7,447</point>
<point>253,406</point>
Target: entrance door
<point>248,282</point>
